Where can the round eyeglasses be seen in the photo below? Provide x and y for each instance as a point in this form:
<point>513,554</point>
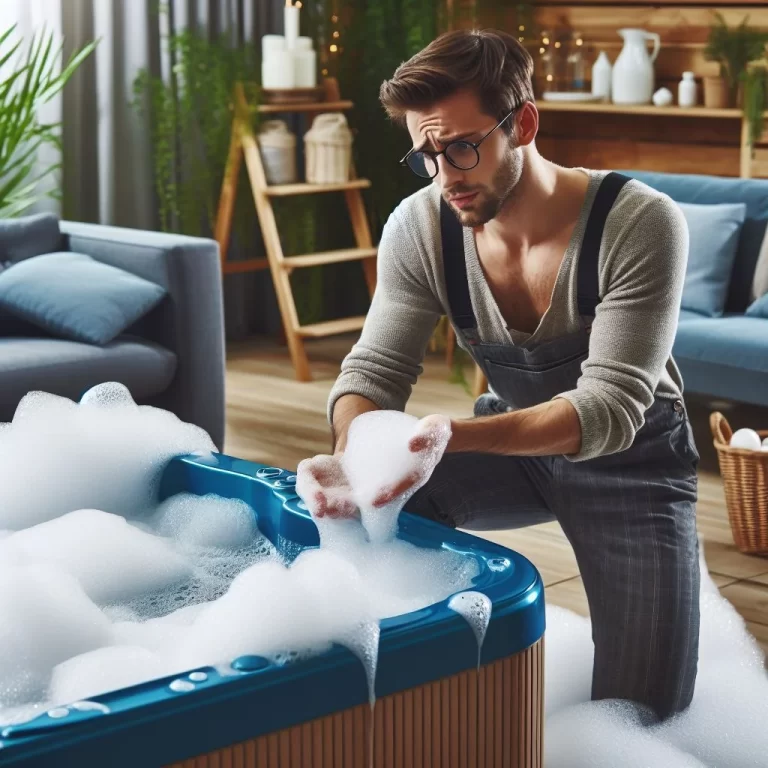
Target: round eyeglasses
<point>463,155</point>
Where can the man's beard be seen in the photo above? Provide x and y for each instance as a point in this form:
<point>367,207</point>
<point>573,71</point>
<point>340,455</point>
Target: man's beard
<point>490,201</point>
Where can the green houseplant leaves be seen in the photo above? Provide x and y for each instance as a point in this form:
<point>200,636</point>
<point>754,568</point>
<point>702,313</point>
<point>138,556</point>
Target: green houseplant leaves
<point>32,82</point>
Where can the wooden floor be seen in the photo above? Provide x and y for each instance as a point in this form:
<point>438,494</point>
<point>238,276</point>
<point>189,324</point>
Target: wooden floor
<point>274,419</point>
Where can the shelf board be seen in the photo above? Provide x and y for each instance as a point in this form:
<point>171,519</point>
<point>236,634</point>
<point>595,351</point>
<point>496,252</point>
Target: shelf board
<point>332,327</point>
<point>244,265</point>
<point>304,106</point>
<point>640,109</point>
<point>283,190</point>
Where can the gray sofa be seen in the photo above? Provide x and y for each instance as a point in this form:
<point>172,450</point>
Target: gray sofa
<point>173,357</point>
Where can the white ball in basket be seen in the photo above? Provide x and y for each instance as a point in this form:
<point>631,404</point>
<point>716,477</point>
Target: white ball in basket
<point>746,438</point>
<point>765,444</point>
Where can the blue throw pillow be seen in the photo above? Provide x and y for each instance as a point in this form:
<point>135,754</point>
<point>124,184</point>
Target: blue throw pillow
<point>759,307</point>
<point>73,296</point>
<point>714,237</point>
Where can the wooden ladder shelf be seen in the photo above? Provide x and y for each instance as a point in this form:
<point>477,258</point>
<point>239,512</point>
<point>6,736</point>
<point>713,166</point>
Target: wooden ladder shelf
<point>243,143</point>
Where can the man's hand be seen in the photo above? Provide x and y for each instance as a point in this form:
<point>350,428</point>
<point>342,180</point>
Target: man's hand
<point>429,440</point>
<point>324,487</point>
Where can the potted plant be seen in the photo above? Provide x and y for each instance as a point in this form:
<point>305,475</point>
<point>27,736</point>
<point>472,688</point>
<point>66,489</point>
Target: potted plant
<point>756,98</point>
<point>733,49</point>
<point>35,80</point>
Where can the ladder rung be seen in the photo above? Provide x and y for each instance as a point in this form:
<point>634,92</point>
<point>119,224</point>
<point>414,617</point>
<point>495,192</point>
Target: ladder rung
<point>283,190</point>
<point>245,265</point>
<point>329,257</point>
<point>331,327</point>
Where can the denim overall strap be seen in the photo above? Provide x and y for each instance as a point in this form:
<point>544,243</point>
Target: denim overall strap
<point>455,265</point>
<point>588,290</point>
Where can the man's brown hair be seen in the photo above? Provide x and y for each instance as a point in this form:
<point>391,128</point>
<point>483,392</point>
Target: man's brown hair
<point>492,63</point>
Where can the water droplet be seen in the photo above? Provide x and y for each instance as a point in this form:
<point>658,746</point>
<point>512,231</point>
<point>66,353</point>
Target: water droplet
<point>269,472</point>
<point>198,677</point>
<point>58,712</point>
<point>182,686</point>
<point>476,608</point>
<point>498,563</point>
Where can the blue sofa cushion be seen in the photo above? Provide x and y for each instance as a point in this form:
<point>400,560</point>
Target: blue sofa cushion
<point>759,307</point>
<point>29,236</point>
<point>714,235</point>
<point>69,368</point>
<point>735,342</point>
<point>76,297</point>
<point>708,190</point>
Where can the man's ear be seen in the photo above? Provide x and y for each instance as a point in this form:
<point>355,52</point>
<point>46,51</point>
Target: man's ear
<point>526,124</point>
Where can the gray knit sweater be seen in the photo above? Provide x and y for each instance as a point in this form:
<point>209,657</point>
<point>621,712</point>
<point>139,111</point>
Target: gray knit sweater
<point>642,266</point>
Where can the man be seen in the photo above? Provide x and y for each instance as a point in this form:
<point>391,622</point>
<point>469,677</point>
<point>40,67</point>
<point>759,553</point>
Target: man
<point>564,285</point>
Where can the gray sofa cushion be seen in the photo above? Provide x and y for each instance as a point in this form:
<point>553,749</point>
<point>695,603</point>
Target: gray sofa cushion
<point>69,368</point>
<point>29,236</point>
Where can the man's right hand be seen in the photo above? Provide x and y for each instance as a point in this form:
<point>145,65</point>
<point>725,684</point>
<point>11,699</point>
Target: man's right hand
<point>323,485</point>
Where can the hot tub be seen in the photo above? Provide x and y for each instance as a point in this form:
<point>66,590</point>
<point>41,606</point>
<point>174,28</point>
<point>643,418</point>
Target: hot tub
<point>434,706</point>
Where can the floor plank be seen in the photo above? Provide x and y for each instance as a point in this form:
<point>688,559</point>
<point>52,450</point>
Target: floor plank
<point>276,420</point>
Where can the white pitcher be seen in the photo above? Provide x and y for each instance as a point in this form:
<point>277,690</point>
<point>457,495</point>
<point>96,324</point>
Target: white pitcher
<point>633,75</point>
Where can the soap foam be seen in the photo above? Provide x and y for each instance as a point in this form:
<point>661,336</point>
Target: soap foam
<point>81,483</point>
<point>723,728</point>
<point>377,458</point>
<point>476,608</point>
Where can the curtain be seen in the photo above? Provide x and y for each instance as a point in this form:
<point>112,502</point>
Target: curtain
<point>107,174</point>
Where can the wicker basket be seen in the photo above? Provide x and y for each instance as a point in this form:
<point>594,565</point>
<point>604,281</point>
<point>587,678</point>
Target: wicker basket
<point>745,478</point>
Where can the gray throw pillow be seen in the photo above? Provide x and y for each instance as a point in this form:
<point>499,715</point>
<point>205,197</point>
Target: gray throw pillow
<point>76,297</point>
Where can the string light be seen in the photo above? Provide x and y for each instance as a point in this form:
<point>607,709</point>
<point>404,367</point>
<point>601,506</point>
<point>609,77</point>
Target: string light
<point>545,41</point>
<point>557,44</point>
<point>542,50</point>
<point>334,48</point>
<point>522,28</point>
<point>579,41</point>
<point>336,33</point>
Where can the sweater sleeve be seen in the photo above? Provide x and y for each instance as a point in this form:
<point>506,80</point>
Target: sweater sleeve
<point>387,359</point>
<point>633,330</point>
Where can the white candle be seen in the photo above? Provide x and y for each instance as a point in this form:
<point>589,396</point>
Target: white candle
<point>304,43</point>
<point>291,24</point>
<point>277,70</point>
<point>271,43</point>
<point>305,68</point>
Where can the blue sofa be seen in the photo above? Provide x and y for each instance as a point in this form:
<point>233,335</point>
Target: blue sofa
<point>724,357</point>
<point>172,358</point>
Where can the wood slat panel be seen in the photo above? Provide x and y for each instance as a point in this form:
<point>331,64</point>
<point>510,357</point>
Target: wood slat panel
<point>619,153</point>
<point>674,24</point>
<point>507,734</point>
<point>637,128</point>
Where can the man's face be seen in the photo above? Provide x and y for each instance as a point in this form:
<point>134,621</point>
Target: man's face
<point>475,195</point>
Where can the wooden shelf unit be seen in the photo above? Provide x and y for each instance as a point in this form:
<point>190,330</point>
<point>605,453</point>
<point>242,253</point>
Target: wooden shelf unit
<point>753,160</point>
<point>244,145</point>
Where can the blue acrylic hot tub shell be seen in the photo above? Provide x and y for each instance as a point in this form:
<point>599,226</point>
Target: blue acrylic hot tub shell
<point>154,725</point>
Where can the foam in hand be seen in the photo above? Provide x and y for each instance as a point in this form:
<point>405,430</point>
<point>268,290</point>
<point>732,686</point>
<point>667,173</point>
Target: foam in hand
<point>377,458</point>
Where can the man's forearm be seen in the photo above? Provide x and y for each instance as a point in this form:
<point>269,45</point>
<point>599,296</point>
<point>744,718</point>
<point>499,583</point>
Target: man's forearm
<point>544,430</point>
<point>344,411</point>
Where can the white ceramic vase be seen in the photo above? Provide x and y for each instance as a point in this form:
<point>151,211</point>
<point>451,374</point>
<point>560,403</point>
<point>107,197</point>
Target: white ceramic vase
<point>633,72</point>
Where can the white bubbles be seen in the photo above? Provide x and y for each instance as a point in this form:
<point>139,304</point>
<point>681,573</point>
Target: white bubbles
<point>45,618</point>
<point>112,560</point>
<point>607,734</point>
<point>568,659</point>
<point>206,521</point>
<point>107,453</point>
<point>724,727</point>
<point>103,670</point>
